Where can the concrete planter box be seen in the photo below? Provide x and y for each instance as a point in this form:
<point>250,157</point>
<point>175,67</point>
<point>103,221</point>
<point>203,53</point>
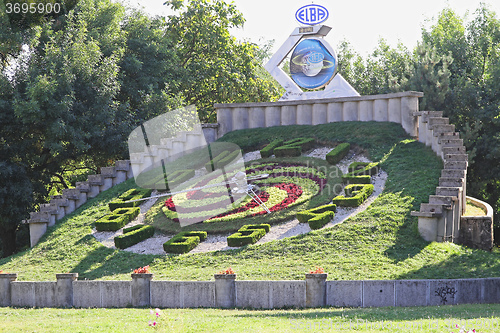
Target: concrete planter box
<point>316,289</point>
<point>225,290</point>
<point>141,289</point>
<point>5,289</point>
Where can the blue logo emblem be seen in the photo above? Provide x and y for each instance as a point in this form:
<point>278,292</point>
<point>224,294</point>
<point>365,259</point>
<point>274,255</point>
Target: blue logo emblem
<point>311,14</point>
<point>312,66</point>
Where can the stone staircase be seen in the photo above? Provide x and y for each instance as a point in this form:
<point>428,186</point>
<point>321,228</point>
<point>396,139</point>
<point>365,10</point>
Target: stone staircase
<point>439,220</point>
<point>71,199</point>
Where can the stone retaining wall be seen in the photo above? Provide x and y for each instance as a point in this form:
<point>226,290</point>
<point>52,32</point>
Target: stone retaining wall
<point>227,292</point>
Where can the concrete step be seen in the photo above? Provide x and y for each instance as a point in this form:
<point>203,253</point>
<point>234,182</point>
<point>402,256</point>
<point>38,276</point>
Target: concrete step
<point>59,200</point>
<point>453,173</point>
<point>449,191</point>
<point>443,200</point>
<point>83,187</point>
<point>39,217</point>
<point>429,210</point>
<point>428,114</point>
<point>451,182</point>
<point>71,193</point>
<point>454,150</point>
<point>438,121</point>
<point>50,208</point>
<point>108,172</point>
<point>438,129</point>
<point>123,165</point>
<point>456,157</point>
<point>448,136</point>
<point>95,180</point>
<point>452,143</point>
<point>456,165</point>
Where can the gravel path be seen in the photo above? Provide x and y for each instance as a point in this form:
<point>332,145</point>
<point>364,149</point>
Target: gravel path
<point>154,245</point>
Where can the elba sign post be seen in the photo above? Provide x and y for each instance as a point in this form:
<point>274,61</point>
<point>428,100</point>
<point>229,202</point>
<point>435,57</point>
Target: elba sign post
<point>313,62</point>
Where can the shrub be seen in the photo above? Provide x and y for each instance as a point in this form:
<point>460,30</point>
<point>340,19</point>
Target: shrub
<point>115,221</point>
<point>248,234</point>
<point>359,196</point>
<point>321,219</point>
<point>338,153</point>
<point>305,215</point>
<point>184,242</point>
<point>268,150</point>
<point>294,147</point>
<point>134,235</point>
<point>132,194</point>
<point>350,179</point>
<point>363,168</point>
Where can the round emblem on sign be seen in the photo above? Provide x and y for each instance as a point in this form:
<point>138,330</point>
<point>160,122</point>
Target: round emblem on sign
<point>312,14</point>
<point>312,65</point>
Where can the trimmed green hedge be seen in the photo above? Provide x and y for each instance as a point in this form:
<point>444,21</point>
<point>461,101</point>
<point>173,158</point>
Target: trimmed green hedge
<point>349,179</point>
<point>338,153</point>
<point>359,196</point>
<point>248,234</point>
<point>318,221</point>
<point>305,215</point>
<point>294,147</point>
<point>363,168</point>
<point>184,242</point>
<point>268,150</point>
<point>134,235</point>
<point>132,194</point>
<point>117,220</point>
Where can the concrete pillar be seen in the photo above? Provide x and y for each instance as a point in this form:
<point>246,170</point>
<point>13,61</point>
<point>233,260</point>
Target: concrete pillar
<point>288,115</point>
<point>350,111</point>
<point>272,116</point>
<point>334,112</point>
<point>422,132</point>
<point>366,110</point>
<point>225,120</point>
<point>428,228</point>
<point>72,195</point>
<point>141,289</point>
<point>240,118</point>
<point>316,290</point>
<point>394,108</point>
<point>380,110</point>
<point>37,230</point>
<point>409,105</point>
<point>257,117</point>
<point>95,182</point>
<point>84,188</point>
<point>5,289</point>
<point>225,290</point>
<point>319,113</point>
<point>64,289</point>
<point>304,114</point>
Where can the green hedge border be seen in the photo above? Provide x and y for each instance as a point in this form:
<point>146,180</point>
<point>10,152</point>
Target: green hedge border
<point>248,234</point>
<point>134,235</point>
<point>118,220</point>
<point>359,192</point>
<point>338,153</point>
<point>184,242</point>
<point>294,148</point>
<point>268,150</point>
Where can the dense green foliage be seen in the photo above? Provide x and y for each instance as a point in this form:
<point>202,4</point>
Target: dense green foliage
<point>338,153</point>
<point>73,85</point>
<point>457,66</point>
<point>248,234</point>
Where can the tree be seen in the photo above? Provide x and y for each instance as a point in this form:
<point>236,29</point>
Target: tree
<point>217,68</point>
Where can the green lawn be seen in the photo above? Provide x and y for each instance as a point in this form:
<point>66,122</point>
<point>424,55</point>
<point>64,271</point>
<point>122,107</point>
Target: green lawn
<point>380,243</point>
<point>484,318</point>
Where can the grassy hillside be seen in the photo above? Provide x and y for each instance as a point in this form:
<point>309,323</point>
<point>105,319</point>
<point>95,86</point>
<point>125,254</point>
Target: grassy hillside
<point>380,243</point>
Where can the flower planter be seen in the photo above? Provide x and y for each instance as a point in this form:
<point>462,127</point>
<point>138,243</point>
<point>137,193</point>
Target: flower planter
<point>225,290</point>
<point>5,291</point>
<point>316,289</point>
<point>64,292</point>
<point>141,287</point>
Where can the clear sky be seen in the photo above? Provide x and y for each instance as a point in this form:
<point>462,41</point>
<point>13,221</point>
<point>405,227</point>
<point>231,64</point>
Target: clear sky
<point>362,23</point>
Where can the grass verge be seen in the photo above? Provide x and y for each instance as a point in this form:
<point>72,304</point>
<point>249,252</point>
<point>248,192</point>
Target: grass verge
<point>483,318</point>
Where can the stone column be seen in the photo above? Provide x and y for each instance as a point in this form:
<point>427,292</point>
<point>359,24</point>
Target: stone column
<point>319,113</point>
<point>366,110</point>
<point>288,115</point>
<point>141,289</point>
<point>304,114</point>
<point>316,290</point>
<point>273,116</point>
<point>5,290</point>
<point>380,110</point>
<point>409,105</point>
<point>240,118</point>
<point>334,112</point>
<point>350,111</point>
<point>64,289</point>
<point>257,117</point>
<point>225,290</point>
<point>225,120</point>
<point>395,110</point>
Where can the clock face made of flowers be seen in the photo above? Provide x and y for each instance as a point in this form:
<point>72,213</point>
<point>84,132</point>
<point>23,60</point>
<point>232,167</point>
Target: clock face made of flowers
<point>287,185</point>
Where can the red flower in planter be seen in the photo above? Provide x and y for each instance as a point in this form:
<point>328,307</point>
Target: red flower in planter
<point>142,270</point>
<point>319,270</point>
<point>227,271</point>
